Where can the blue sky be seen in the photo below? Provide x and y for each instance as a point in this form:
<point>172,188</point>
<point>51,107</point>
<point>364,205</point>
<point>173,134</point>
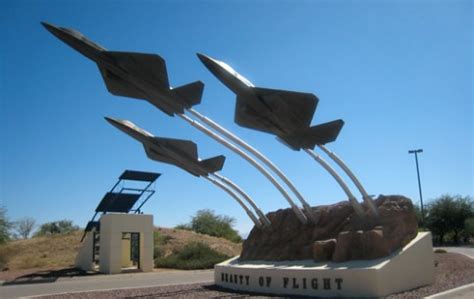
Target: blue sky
<point>398,72</point>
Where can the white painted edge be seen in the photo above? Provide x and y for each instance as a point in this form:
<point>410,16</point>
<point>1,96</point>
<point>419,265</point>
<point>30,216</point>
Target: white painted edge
<point>454,292</point>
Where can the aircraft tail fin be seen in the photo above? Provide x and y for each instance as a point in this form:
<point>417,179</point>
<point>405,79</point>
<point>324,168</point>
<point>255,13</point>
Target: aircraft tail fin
<point>191,93</point>
<point>213,164</point>
<point>310,137</point>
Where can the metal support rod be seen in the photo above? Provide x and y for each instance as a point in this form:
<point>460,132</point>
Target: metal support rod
<point>241,192</point>
<point>355,204</point>
<point>368,200</point>
<point>151,192</point>
<point>419,189</point>
<point>419,183</point>
<point>301,216</point>
<point>260,156</point>
<point>236,197</point>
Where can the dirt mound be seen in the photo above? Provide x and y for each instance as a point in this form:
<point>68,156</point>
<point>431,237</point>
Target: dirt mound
<point>59,251</point>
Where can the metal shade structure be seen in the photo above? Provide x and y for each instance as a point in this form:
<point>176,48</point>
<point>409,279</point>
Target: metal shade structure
<point>117,202</point>
<point>184,154</point>
<point>144,76</point>
<point>123,199</point>
<point>134,175</point>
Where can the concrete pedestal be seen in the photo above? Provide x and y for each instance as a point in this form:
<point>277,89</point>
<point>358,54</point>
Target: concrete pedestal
<point>408,268</point>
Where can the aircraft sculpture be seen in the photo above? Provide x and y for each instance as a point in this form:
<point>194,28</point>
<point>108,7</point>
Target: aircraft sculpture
<point>184,154</point>
<point>144,76</point>
<point>288,115</point>
<point>134,75</point>
<point>284,113</point>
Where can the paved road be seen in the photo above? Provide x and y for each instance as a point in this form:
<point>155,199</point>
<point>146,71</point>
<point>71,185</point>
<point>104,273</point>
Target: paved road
<point>466,250</point>
<point>103,282</point>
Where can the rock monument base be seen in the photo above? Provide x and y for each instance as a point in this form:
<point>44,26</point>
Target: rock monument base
<point>409,267</point>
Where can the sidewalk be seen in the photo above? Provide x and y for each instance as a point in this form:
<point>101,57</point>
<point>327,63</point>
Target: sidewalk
<point>106,282</point>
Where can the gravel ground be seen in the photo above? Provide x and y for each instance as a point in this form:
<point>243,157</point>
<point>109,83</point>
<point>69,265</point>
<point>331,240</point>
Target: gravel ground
<point>452,270</point>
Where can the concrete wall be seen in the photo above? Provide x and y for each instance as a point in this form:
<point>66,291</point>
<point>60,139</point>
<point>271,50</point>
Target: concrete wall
<point>111,228</point>
<point>84,257</point>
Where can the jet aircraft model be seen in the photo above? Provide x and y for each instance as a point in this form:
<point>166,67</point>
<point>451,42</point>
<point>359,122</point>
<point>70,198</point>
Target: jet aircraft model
<point>134,75</point>
<point>178,152</point>
<point>286,114</point>
<point>183,153</point>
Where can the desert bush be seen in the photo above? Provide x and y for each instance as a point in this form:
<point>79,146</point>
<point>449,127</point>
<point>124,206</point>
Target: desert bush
<point>194,255</point>
<point>446,217</point>
<point>207,222</point>
<point>5,226</point>
<point>24,227</point>
<point>160,239</point>
<point>56,227</point>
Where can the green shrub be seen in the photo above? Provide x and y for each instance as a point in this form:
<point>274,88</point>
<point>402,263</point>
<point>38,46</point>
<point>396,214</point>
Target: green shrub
<point>56,227</point>
<point>158,252</point>
<point>194,255</point>
<point>439,250</point>
<point>208,223</point>
<point>160,239</point>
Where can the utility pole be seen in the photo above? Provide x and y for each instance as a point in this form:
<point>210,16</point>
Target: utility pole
<point>419,183</point>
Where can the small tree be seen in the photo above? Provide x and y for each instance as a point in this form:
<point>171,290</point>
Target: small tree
<point>5,226</point>
<point>56,227</point>
<point>207,222</point>
<point>468,229</point>
<point>448,214</point>
<point>24,227</point>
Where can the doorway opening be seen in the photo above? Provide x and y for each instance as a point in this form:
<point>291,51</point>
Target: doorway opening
<point>130,252</point>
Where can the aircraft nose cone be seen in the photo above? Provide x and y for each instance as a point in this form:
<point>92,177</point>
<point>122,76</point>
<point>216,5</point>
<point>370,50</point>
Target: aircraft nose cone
<point>51,28</point>
<point>206,60</point>
<point>115,122</point>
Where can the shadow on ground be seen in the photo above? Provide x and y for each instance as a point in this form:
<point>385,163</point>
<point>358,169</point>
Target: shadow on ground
<point>48,276</point>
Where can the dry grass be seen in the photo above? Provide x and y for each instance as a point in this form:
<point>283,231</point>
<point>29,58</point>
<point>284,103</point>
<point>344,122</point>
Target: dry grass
<point>176,239</point>
<point>43,252</point>
<point>60,251</point>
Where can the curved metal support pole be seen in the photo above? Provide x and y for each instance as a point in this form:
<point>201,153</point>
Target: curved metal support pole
<point>301,216</point>
<point>261,215</point>
<point>368,200</point>
<point>355,204</point>
<point>260,156</point>
<point>231,193</point>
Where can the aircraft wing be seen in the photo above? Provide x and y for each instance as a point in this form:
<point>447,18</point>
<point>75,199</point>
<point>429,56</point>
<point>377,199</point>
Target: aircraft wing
<point>292,110</point>
<point>248,117</point>
<point>119,87</point>
<point>148,66</point>
<point>186,147</point>
<point>156,156</point>
<point>311,136</point>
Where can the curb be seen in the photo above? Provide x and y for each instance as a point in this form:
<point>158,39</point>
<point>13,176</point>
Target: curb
<point>456,292</point>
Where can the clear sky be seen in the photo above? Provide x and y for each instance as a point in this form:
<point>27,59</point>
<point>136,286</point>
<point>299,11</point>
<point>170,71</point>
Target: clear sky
<point>398,72</point>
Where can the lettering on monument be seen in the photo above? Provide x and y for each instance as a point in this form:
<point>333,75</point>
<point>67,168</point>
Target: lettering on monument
<point>286,282</point>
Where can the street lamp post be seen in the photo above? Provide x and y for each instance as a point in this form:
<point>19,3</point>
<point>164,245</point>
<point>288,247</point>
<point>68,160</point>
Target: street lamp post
<point>419,183</point>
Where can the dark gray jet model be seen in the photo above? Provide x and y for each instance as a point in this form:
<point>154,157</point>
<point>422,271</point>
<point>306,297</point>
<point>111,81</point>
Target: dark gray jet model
<point>286,114</point>
<point>134,75</point>
<point>181,153</point>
